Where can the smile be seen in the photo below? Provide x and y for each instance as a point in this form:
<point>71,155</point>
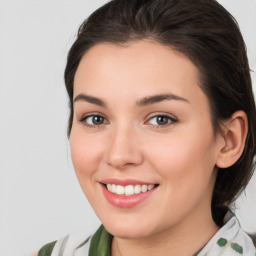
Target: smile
<point>127,193</point>
<point>129,189</point>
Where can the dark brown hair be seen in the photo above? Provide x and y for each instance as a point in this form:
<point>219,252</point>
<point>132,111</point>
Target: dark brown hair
<point>209,36</point>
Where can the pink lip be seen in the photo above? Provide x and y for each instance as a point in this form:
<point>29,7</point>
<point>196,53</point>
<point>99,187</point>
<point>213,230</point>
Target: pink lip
<point>126,201</point>
<point>125,182</point>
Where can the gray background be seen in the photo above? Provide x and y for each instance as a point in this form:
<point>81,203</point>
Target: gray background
<point>40,199</point>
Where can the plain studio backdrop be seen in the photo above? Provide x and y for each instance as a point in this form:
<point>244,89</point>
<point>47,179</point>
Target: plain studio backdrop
<point>40,198</point>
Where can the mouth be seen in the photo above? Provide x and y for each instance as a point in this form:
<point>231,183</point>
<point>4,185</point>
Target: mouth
<point>129,190</point>
<point>128,193</point>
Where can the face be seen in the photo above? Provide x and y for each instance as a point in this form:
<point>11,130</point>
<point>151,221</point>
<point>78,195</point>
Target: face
<point>142,141</point>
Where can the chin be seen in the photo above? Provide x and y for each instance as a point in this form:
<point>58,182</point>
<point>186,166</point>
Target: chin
<point>133,229</point>
<point>128,232</point>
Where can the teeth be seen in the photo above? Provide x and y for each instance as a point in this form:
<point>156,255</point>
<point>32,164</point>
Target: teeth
<point>113,188</point>
<point>109,186</point>
<point>150,187</point>
<point>119,190</point>
<point>137,189</point>
<point>144,188</point>
<point>129,189</point>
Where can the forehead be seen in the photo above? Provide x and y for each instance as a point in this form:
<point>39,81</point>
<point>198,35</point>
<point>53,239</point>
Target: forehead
<point>136,69</point>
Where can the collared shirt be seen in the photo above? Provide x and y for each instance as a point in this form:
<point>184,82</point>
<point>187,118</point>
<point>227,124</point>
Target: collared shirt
<point>230,240</point>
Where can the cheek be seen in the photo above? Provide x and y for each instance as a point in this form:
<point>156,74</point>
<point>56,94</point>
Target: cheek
<point>86,154</point>
<point>184,157</point>
<point>186,166</point>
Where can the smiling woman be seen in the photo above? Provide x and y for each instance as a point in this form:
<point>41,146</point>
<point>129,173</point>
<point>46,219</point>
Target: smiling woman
<point>162,129</point>
<point>168,144</point>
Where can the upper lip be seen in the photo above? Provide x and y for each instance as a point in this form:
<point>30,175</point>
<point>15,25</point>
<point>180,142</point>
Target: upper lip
<point>125,182</point>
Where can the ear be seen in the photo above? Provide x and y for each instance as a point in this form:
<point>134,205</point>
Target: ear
<point>234,133</point>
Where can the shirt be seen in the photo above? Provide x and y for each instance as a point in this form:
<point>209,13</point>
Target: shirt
<point>230,240</point>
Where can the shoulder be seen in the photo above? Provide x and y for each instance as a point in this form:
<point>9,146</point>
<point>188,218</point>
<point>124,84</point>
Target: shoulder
<point>230,240</point>
<point>238,240</point>
<point>79,243</point>
<point>47,249</point>
<point>68,245</point>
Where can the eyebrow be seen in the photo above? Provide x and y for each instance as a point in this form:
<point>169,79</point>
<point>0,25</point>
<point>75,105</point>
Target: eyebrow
<point>142,102</point>
<point>158,98</point>
<point>90,99</point>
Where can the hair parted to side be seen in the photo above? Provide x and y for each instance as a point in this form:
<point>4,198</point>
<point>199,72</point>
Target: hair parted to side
<point>209,36</point>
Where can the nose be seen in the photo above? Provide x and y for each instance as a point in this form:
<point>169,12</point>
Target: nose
<point>123,149</point>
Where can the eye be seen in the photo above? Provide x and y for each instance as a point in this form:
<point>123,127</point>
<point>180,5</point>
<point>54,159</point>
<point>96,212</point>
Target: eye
<point>161,120</point>
<point>93,120</point>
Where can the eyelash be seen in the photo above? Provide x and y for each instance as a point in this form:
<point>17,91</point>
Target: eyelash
<point>83,120</point>
<point>171,120</point>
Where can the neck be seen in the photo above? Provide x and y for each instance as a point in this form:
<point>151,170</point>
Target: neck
<point>183,239</point>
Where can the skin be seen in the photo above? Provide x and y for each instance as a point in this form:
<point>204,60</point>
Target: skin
<point>129,144</point>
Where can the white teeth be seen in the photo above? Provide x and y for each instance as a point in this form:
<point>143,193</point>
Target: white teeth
<point>144,188</point>
<point>137,189</point>
<point>113,188</point>
<point>119,190</point>
<point>109,186</point>
<point>129,189</point>
<point>150,187</point>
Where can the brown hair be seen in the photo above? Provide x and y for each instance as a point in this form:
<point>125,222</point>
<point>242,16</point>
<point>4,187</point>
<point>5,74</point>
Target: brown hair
<point>207,34</point>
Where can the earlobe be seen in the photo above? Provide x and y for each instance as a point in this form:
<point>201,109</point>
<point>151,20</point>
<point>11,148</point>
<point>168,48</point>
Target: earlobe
<point>234,134</point>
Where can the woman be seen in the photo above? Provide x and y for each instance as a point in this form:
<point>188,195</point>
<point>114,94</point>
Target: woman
<point>162,129</point>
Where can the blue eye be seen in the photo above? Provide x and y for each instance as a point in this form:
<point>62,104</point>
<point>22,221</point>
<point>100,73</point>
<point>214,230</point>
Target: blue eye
<point>161,120</point>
